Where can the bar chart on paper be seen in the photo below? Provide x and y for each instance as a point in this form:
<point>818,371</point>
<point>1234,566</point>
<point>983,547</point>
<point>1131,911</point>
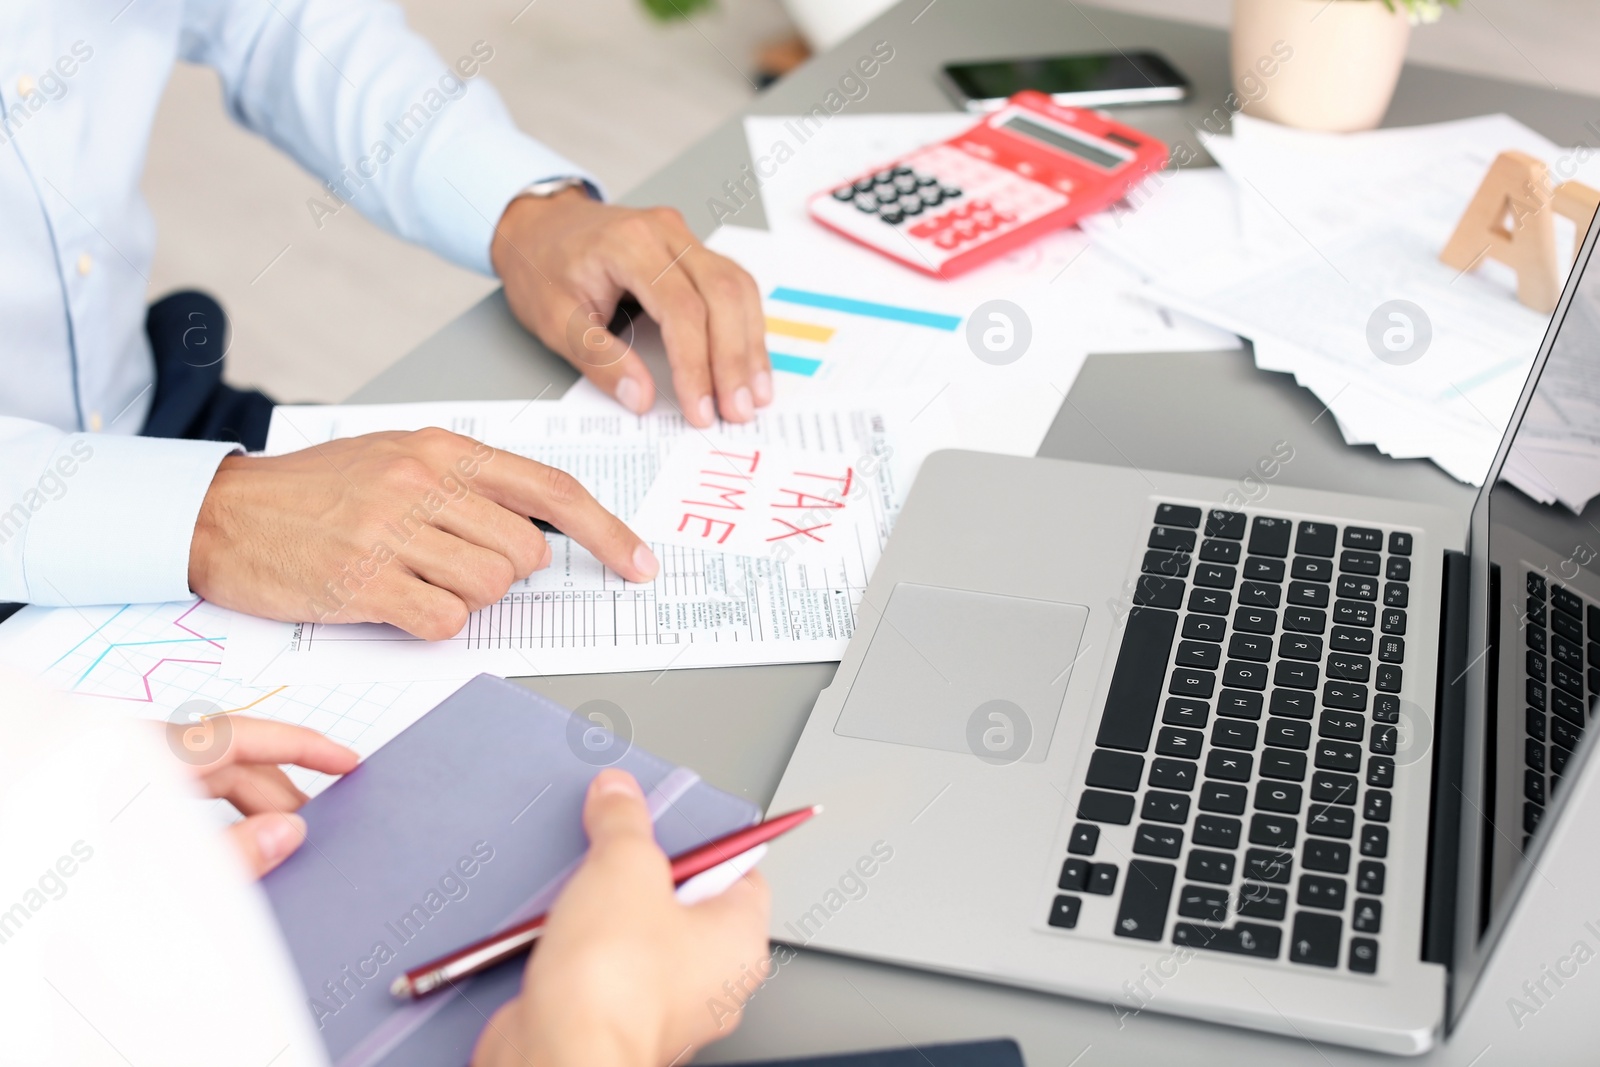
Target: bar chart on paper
<point>161,661</point>
<point>832,342</point>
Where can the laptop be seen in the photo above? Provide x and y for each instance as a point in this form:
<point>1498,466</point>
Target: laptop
<point>1154,740</point>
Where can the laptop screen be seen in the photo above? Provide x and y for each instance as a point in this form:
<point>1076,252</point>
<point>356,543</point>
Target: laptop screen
<point>1535,649</point>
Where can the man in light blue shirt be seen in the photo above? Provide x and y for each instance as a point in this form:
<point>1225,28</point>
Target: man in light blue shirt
<point>91,512</point>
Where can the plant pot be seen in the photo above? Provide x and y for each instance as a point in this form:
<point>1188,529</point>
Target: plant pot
<point>1317,64</point>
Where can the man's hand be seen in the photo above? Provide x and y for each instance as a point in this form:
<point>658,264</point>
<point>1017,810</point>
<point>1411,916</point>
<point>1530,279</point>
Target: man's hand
<point>567,260</point>
<point>624,975</point>
<point>236,757</point>
<point>416,529</point>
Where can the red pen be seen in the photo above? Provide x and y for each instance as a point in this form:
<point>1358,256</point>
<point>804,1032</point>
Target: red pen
<point>480,955</point>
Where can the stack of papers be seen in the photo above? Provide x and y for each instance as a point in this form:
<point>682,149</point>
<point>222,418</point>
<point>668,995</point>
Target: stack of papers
<point>1323,249</point>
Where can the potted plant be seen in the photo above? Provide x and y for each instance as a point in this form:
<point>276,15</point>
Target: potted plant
<point>1323,64</point>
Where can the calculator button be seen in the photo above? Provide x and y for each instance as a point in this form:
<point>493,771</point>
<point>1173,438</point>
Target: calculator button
<point>898,171</point>
<point>927,179</point>
<point>931,196</point>
<point>910,205</point>
<point>883,176</point>
<point>905,183</point>
<point>891,214</point>
<point>950,192</point>
<point>845,192</point>
<point>866,202</point>
<point>886,193</point>
<point>863,185</point>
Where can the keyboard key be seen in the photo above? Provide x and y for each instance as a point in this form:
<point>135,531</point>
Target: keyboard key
<point>1314,939</point>
<point>1344,667</point>
<point>1386,708</point>
<point>1085,836</point>
<point>1350,585</point>
<point>1535,724</point>
<point>1154,591</point>
<point>1283,765</point>
<point>1318,891</point>
<point>1172,741</point>
<point>1558,759</point>
<point>1105,807</point>
<point>1380,772</point>
<point>1142,912</point>
<point>1396,595</point>
<point>1274,830</point>
<point>1270,536</point>
<point>1375,841</point>
<point>1268,865</point>
<point>1308,594</point>
<point>1390,677</point>
<point>1400,543</point>
<point>1366,916</point>
<point>1161,806</point>
<point>1278,796</point>
<point>1363,955</point>
<point>1311,569</point>
<point>1170,564</point>
<point>1533,786</point>
<point>1320,854</point>
<point>1316,539</point>
<point>1207,866</point>
<point>1178,515</point>
<point>1292,675</point>
<point>1064,912</point>
<point>1293,703</point>
<point>1301,647</point>
<point>1394,622</point>
<point>1074,876</point>
<point>1254,647</point>
<point>1536,585</point>
<point>1204,628</point>
<point>1239,704</point>
<point>1229,524</point>
<point>1203,902</point>
<point>1210,601</point>
<point>1163,841</point>
<point>1533,754</point>
<point>1244,939</point>
<point>1384,740</point>
<point>1202,654</point>
<point>1305,620</point>
<point>1288,733</point>
<point>1263,901</point>
<point>1223,797</point>
<point>1398,569</point>
<point>1172,774</point>
<point>1350,639</point>
<point>1327,787</point>
<point>1377,806</point>
<point>1219,551</point>
<point>1115,770</point>
<point>1257,594</point>
<point>1392,649</point>
<point>1353,562</point>
<point>1563,599</point>
<point>1338,756</point>
<point>1217,831</point>
<point>1214,576</point>
<point>1566,626</point>
<point>1229,766</point>
<point>1130,710</point>
<point>1181,711</point>
<point>1172,539</point>
<point>1354,613</point>
<point>1369,878</point>
<point>1102,878</point>
<point>1331,820</point>
<point>1347,696</point>
<point>1364,538</point>
<point>1261,569</point>
<point>1241,674</point>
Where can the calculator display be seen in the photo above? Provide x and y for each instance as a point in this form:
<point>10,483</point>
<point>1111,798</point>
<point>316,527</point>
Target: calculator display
<point>1023,127</point>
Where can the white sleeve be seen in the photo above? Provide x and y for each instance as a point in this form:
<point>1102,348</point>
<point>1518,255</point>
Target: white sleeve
<point>423,147</point>
<point>98,518</point>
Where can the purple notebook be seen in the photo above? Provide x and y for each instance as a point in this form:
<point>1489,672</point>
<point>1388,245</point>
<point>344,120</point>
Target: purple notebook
<point>468,821</point>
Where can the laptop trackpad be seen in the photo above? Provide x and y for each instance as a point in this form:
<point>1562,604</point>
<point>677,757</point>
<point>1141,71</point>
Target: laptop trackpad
<point>965,672</point>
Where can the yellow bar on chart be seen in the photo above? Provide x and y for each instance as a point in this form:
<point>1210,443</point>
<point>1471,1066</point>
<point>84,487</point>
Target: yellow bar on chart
<point>805,331</point>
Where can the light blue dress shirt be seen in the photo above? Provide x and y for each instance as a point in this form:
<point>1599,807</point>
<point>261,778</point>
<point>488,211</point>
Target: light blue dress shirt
<point>89,512</point>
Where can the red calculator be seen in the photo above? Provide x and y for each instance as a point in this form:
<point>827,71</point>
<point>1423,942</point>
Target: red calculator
<point>1031,167</point>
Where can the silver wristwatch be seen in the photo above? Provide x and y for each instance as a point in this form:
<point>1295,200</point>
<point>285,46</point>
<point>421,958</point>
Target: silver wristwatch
<point>551,186</point>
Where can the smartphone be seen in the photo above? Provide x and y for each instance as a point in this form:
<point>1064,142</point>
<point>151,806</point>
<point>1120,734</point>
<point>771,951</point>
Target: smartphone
<point>1094,79</point>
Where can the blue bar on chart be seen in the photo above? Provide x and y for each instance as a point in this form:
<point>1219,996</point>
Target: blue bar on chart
<point>866,308</point>
<point>801,365</point>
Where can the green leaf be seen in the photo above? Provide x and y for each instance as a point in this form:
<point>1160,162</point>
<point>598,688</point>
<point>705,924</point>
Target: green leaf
<point>668,10</point>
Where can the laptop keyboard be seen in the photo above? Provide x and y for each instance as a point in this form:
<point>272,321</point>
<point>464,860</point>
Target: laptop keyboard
<point>1554,629</point>
<point>1248,739</point>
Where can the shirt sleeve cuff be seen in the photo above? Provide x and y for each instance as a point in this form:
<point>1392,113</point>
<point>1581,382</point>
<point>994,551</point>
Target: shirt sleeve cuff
<point>480,171</point>
<point>121,531</point>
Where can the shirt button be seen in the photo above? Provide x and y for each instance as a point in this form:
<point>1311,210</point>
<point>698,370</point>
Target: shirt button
<point>85,263</point>
<point>25,86</point>
<point>95,422</point>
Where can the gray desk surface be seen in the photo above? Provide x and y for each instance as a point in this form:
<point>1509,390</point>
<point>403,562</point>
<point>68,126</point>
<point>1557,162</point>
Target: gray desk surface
<point>1207,414</point>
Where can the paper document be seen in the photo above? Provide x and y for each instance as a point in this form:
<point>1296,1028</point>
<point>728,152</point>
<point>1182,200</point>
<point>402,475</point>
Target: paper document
<point>709,606</point>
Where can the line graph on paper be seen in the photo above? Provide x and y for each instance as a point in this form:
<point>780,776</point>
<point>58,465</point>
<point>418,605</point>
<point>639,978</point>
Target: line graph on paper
<point>149,660</point>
